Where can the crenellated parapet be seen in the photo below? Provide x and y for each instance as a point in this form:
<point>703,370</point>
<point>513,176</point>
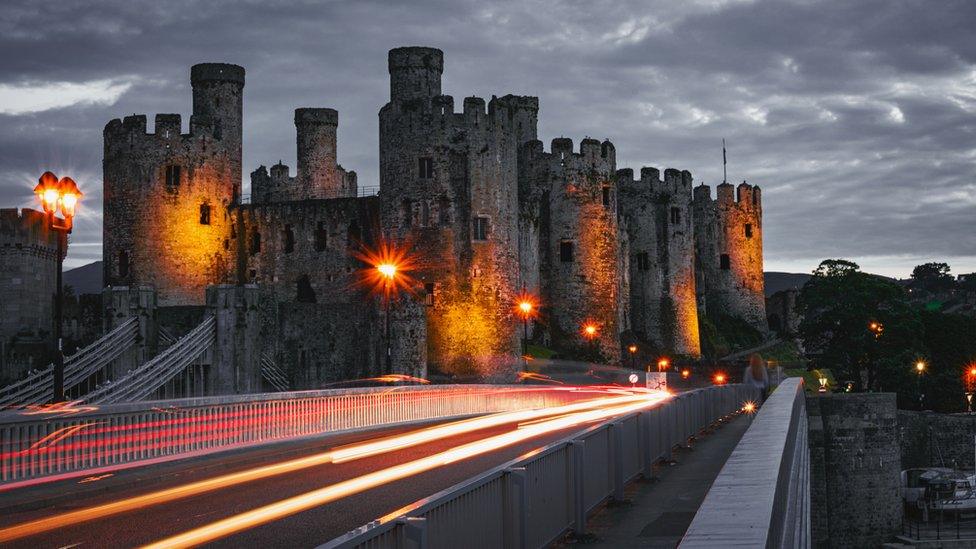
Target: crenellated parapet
<point>658,216</point>
<point>729,254</point>
<point>579,244</point>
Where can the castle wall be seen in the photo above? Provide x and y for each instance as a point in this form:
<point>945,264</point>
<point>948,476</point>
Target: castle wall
<point>728,252</point>
<point>28,282</point>
<point>658,216</point>
<point>444,178</point>
<point>579,243</point>
<point>167,194</point>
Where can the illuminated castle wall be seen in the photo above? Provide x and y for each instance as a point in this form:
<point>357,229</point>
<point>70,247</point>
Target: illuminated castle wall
<point>167,194</point>
<point>487,212</point>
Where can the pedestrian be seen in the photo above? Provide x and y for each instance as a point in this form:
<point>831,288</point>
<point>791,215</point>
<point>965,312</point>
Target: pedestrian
<point>756,375</point>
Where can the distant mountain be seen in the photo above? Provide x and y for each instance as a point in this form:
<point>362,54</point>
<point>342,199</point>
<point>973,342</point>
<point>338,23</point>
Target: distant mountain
<point>86,279</point>
<point>776,282</point>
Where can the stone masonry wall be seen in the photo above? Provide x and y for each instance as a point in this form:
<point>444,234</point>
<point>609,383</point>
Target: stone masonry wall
<point>28,281</point>
<point>167,194</point>
<point>855,469</point>
<point>937,440</point>
<point>728,252</point>
<point>658,217</point>
<point>448,191</point>
<point>579,242</point>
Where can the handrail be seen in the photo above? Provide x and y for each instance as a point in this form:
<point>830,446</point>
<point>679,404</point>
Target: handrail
<point>761,498</point>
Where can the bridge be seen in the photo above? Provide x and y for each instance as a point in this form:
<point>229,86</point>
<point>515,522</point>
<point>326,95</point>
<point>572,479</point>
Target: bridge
<point>415,466</point>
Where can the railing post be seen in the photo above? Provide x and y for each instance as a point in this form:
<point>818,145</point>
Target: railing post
<point>647,452</point>
<point>514,517</point>
<point>578,457</point>
<point>414,532</point>
<point>617,459</point>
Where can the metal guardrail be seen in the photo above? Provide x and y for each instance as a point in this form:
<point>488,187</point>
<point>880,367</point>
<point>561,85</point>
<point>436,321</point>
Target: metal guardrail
<point>144,380</point>
<point>36,389</point>
<point>533,501</point>
<point>761,498</point>
<point>89,438</point>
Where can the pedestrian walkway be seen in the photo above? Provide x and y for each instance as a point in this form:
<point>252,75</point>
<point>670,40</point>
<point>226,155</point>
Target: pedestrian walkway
<point>659,512</point>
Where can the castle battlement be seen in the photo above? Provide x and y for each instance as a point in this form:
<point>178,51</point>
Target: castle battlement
<point>27,229</point>
<point>592,155</point>
<point>745,196</point>
<point>675,182</point>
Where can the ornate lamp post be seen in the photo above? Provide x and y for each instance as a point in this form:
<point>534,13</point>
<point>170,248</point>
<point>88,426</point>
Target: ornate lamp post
<point>526,309</point>
<point>55,195</point>
<point>970,388</point>
<point>388,273</point>
<point>632,349</point>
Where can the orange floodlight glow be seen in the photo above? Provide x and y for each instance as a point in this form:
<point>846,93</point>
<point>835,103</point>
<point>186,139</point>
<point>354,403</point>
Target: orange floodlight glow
<point>749,407</point>
<point>590,330</point>
<point>719,379</point>
<point>526,305</point>
<point>663,364</point>
<point>972,371</point>
<point>686,373</point>
<point>920,366</point>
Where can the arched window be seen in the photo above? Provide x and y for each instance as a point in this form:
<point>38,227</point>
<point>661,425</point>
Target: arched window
<point>255,242</point>
<point>321,237</point>
<point>123,264</point>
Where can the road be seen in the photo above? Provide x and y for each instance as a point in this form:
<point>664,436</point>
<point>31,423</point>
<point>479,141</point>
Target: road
<point>306,528</point>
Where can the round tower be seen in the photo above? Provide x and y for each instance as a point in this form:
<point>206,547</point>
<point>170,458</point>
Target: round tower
<point>415,72</point>
<point>218,103</point>
<point>318,175</point>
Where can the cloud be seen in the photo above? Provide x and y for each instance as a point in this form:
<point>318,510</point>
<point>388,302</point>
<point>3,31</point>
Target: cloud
<point>32,97</point>
<point>858,119</point>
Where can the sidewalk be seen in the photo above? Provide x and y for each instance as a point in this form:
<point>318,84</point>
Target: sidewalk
<point>659,512</point>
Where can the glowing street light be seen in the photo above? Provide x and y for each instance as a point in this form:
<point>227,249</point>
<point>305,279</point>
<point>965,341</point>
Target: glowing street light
<point>719,379</point>
<point>632,349</point>
<point>590,331</point>
<point>54,195</point>
<point>525,308</point>
<point>920,369</point>
<point>685,373</point>
<point>876,328</point>
<point>663,364</point>
<point>387,274</point>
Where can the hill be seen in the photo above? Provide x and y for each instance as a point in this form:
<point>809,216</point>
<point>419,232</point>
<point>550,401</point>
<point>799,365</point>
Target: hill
<point>776,281</point>
<point>86,279</point>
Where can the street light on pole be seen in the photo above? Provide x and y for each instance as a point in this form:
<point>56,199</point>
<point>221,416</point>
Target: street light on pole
<point>526,308</point>
<point>632,349</point>
<point>55,195</point>
<point>919,369</point>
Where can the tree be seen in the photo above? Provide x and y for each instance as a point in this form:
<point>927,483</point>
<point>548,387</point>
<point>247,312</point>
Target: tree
<point>932,277</point>
<point>838,306</point>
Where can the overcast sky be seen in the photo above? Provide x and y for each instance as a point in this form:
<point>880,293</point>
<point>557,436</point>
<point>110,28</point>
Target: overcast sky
<point>857,119</point>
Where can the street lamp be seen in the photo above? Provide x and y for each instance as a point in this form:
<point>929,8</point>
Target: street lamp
<point>663,364</point>
<point>919,369</point>
<point>590,332</point>
<point>876,328</point>
<point>55,195</point>
<point>525,308</point>
<point>970,388</point>
<point>632,349</point>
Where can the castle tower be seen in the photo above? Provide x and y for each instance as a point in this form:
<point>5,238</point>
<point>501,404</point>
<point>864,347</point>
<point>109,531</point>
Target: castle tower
<point>166,193</point>
<point>658,217</point>
<point>728,252</point>
<point>28,281</point>
<point>579,243</point>
<point>449,185</point>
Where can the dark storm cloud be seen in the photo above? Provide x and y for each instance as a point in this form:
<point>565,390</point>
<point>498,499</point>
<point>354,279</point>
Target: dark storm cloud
<point>856,118</point>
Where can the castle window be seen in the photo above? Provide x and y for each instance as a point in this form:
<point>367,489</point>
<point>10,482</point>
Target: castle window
<point>321,237</point>
<point>425,167</point>
<point>643,262</point>
<point>724,263</point>
<point>255,242</point>
<point>748,230</point>
<point>424,213</point>
<point>289,237</point>
<point>407,212</point>
<point>675,216</point>
<point>566,251</point>
<point>204,214</point>
<point>429,293</point>
<point>481,228</point>
<point>123,264</point>
<point>444,211</point>
<point>172,178</point>
<point>606,195</point>
<point>354,235</point>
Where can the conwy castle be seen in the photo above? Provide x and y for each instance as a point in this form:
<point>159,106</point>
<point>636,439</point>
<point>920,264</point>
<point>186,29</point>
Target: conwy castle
<point>486,212</point>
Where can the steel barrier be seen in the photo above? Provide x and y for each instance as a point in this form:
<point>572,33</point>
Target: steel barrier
<point>536,499</point>
<point>761,498</point>
<point>79,437</point>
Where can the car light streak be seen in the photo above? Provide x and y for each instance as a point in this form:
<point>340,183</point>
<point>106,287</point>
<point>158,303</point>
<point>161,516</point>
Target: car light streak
<point>308,500</point>
<point>341,454</point>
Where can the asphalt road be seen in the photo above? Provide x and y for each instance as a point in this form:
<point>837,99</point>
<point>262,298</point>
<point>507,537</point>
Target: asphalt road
<point>304,529</point>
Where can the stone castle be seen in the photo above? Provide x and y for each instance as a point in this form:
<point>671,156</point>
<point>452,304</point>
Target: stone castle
<point>485,211</point>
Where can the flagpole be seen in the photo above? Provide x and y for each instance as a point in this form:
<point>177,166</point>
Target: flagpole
<point>725,174</point>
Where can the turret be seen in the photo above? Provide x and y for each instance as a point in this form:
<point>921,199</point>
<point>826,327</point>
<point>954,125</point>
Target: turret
<point>415,72</point>
<point>316,134</point>
<point>218,92</point>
